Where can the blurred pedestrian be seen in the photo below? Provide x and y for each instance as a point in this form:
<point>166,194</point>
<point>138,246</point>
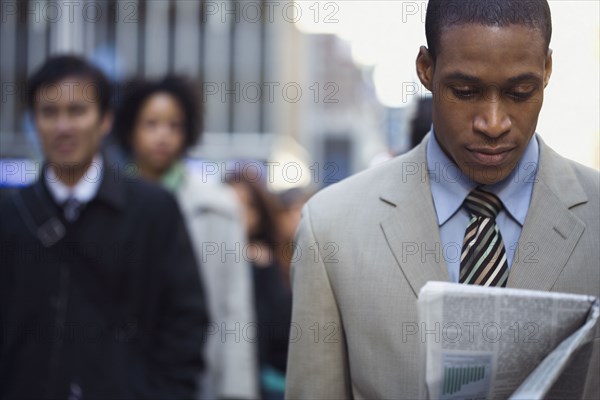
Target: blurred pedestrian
<point>289,214</point>
<point>100,296</point>
<point>271,293</point>
<point>157,123</point>
<point>420,124</point>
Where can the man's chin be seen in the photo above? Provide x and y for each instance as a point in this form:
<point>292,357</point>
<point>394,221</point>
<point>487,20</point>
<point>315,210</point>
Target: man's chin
<point>489,175</point>
<point>486,174</point>
<point>73,162</point>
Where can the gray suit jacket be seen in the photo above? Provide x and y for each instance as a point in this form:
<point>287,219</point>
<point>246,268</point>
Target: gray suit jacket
<point>367,245</point>
<point>213,219</point>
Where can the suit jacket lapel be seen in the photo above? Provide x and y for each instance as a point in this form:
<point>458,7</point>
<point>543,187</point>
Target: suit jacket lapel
<point>410,226</point>
<point>549,236</point>
<point>551,230</point>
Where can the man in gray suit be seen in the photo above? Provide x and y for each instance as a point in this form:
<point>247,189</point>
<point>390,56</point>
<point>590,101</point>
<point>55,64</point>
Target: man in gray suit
<point>403,223</point>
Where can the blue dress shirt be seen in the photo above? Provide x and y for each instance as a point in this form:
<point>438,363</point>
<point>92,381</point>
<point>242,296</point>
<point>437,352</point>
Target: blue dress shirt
<point>450,187</point>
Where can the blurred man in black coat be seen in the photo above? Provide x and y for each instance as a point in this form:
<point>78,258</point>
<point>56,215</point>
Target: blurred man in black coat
<point>99,292</point>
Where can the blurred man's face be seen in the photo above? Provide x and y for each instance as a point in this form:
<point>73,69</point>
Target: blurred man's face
<point>69,123</point>
<point>159,133</point>
<point>488,85</point>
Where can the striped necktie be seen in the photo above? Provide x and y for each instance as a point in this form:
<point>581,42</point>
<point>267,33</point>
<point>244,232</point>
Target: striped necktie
<point>483,259</point>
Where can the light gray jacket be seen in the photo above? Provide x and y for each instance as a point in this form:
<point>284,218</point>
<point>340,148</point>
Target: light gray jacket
<point>213,218</point>
<point>356,274</point>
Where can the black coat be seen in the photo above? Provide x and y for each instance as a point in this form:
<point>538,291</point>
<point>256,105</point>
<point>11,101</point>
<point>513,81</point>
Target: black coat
<point>114,310</point>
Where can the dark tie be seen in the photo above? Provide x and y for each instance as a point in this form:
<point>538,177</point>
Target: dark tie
<point>71,209</point>
<point>483,259</point>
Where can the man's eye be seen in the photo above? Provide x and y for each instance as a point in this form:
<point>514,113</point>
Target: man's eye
<point>151,123</point>
<point>48,112</point>
<point>520,96</point>
<point>464,93</point>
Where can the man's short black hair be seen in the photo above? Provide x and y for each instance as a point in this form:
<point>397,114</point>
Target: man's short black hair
<point>58,68</point>
<point>138,91</point>
<point>443,14</point>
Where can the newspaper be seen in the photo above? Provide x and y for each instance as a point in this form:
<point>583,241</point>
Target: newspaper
<point>499,343</point>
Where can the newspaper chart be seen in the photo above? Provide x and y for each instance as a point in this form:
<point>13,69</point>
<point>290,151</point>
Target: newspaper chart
<point>498,343</point>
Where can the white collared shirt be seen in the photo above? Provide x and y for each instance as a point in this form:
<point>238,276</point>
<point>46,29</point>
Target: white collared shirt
<point>83,191</point>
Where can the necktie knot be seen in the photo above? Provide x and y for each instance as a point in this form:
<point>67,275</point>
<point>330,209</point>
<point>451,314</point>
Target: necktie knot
<point>72,208</point>
<point>483,258</point>
<point>481,203</point>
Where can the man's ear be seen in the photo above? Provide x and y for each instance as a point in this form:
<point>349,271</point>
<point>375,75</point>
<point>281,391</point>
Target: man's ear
<point>106,122</point>
<point>425,68</point>
<point>548,68</point>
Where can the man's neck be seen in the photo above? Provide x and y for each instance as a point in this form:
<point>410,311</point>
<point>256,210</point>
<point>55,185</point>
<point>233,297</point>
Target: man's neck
<point>69,175</point>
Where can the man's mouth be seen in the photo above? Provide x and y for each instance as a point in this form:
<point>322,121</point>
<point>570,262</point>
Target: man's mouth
<point>490,156</point>
<point>65,146</point>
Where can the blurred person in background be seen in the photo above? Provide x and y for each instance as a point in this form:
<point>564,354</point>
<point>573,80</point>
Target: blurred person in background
<point>420,124</point>
<point>271,293</point>
<point>156,124</point>
<point>289,213</point>
<point>100,296</point>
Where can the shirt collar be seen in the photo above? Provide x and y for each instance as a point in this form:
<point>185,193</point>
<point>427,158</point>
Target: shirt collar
<point>83,191</point>
<point>450,187</point>
<point>515,190</point>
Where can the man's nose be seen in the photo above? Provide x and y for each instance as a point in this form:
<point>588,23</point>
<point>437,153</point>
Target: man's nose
<point>492,119</point>
<point>63,123</point>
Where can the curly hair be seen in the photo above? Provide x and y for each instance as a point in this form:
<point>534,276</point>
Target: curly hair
<point>135,94</point>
